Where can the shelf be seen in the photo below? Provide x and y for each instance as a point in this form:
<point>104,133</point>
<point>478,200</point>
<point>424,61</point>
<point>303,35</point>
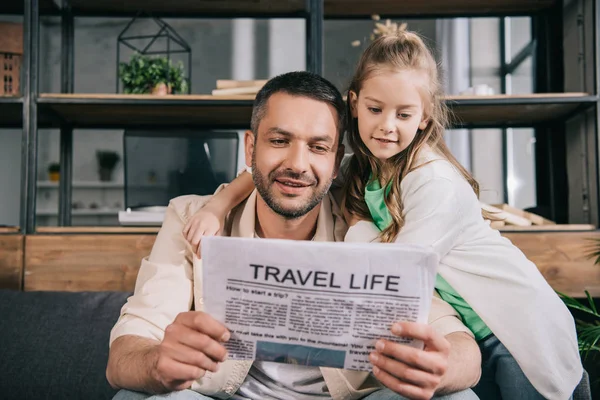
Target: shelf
<point>516,110</point>
<point>124,111</point>
<point>82,184</point>
<point>432,8</point>
<point>16,7</point>
<point>11,112</point>
<point>191,8</point>
<point>97,229</point>
<point>99,212</point>
<point>288,8</point>
<point>102,185</point>
<point>548,228</point>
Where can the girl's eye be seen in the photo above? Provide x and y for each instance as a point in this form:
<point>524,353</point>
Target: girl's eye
<point>375,110</point>
<point>404,116</point>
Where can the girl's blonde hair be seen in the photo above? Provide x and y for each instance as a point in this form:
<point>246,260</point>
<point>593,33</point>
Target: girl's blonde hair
<point>401,50</point>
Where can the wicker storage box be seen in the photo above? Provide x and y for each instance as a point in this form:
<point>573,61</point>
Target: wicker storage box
<point>11,54</point>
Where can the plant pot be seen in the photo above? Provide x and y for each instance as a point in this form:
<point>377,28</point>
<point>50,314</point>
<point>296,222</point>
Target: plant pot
<point>162,89</point>
<point>105,174</point>
<point>54,176</point>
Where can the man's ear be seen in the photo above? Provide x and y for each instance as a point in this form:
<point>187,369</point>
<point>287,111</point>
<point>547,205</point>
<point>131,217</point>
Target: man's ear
<point>338,159</point>
<point>249,139</point>
<point>353,99</point>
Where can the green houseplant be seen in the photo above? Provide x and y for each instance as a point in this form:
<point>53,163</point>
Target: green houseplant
<point>156,75</point>
<point>588,328</point>
<point>587,320</point>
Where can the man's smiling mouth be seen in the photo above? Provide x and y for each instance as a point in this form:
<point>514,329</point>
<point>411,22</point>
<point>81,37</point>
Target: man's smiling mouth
<point>292,183</point>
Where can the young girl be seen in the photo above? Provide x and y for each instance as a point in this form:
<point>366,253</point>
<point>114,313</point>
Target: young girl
<point>402,185</point>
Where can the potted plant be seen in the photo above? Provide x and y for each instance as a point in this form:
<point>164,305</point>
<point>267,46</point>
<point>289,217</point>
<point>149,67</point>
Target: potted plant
<point>152,75</point>
<point>54,172</point>
<point>588,324</point>
<point>107,160</point>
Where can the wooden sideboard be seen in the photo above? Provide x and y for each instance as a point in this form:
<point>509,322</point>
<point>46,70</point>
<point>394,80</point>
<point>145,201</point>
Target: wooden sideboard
<point>109,258</point>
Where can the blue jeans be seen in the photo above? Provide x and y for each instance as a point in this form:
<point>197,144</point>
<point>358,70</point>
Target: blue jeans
<point>501,376</point>
<point>387,394</point>
<point>181,395</point>
<point>383,394</point>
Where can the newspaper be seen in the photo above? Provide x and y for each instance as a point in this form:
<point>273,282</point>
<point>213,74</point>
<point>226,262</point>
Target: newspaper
<point>314,303</point>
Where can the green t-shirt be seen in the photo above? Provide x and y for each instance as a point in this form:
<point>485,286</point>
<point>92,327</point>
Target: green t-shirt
<point>374,197</point>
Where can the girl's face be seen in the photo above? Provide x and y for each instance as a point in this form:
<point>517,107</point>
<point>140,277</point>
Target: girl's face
<point>390,110</point>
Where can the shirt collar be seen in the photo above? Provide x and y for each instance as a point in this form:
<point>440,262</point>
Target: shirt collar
<point>244,220</point>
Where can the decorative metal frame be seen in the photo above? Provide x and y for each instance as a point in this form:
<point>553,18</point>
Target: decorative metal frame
<point>175,44</point>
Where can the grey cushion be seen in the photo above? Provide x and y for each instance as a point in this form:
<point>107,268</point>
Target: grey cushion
<point>583,390</point>
<point>54,345</point>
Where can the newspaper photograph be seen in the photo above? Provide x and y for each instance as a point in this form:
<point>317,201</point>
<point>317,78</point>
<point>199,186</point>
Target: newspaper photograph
<point>314,303</point>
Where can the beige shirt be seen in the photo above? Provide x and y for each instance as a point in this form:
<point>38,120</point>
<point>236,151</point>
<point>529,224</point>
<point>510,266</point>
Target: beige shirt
<point>170,282</point>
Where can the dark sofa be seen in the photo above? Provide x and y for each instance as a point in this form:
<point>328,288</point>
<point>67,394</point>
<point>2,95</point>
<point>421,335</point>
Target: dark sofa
<point>54,345</point>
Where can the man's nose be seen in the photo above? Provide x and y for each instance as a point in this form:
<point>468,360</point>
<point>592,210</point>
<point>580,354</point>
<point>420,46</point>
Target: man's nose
<point>297,159</point>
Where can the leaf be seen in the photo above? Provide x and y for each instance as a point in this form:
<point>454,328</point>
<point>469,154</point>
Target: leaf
<point>577,305</point>
<point>588,333</point>
<point>593,250</point>
<point>143,73</point>
<point>591,301</point>
<point>589,336</point>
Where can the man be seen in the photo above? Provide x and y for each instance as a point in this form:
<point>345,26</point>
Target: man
<point>159,345</point>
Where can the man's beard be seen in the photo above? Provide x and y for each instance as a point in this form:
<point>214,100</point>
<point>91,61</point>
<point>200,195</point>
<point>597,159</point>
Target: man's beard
<point>264,184</point>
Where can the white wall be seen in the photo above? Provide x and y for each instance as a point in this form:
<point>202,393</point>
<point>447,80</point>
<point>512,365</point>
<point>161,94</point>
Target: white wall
<point>10,176</point>
<point>486,150</point>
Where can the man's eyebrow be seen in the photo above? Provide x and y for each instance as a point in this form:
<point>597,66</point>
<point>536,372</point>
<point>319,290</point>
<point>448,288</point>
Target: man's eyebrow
<point>279,131</point>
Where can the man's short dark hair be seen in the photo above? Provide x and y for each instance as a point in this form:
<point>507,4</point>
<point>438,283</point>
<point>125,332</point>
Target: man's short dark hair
<point>304,84</point>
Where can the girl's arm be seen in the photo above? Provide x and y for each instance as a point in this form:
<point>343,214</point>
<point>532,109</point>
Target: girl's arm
<point>433,213</point>
<point>209,220</point>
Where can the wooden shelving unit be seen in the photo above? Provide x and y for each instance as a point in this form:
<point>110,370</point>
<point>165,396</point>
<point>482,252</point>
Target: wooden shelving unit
<point>556,250</point>
<point>97,229</point>
<point>196,8</point>
<point>433,8</point>
<point>516,110</point>
<point>108,110</point>
<point>288,8</point>
<point>115,110</point>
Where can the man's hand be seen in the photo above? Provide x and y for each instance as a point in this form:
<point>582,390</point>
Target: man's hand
<point>191,346</point>
<point>411,372</point>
